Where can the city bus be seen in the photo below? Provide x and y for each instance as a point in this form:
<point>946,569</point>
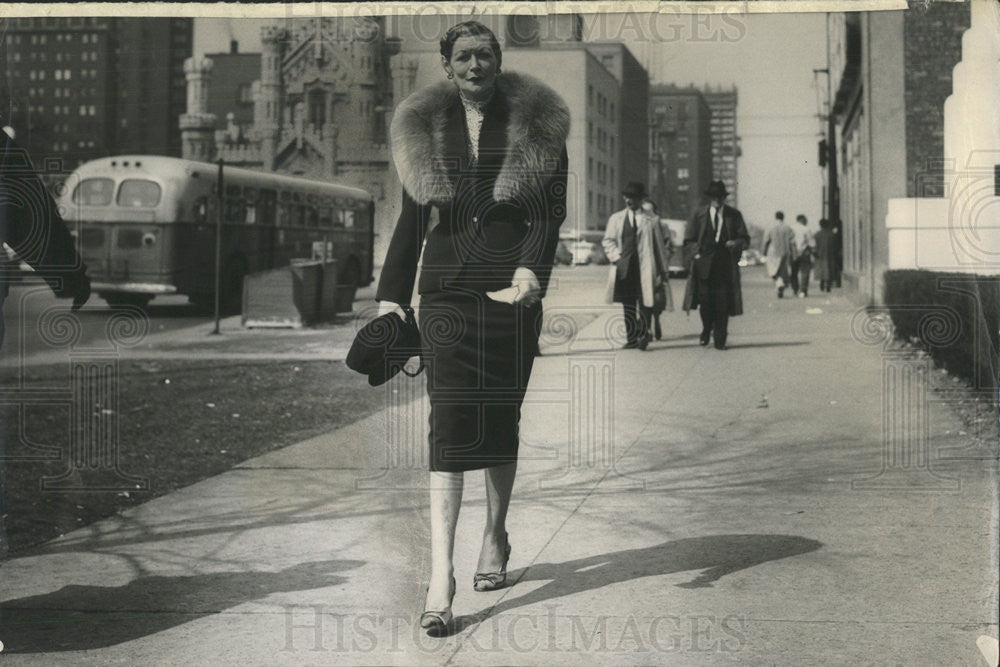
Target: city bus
<point>147,226</point>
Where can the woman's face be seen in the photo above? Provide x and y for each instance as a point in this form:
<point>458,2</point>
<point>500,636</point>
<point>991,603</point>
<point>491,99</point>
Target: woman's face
<point>474,65</point>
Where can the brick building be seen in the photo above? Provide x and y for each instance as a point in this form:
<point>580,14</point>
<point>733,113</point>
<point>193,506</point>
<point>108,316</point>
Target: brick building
<point>681,149</point>
<point>78,88</point>
<point>892,72</point>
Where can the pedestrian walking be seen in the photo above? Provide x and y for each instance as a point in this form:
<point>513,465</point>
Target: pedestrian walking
<point>826,259</point>
<point>633,242</point>
<point>487,149</point>
<point>779,244</point>
<point>805,246</point>
<point>663,299</point>
<point>714,239</point>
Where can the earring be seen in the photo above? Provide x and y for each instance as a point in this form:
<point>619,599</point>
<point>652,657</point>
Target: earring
<point>451,75</point>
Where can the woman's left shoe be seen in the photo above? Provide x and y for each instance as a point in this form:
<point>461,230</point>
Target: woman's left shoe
<point>491,581</point>
<point>435,622</point>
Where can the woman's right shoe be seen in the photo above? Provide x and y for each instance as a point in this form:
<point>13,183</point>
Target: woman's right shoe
<point>435,622</point>
<point>491,581</point>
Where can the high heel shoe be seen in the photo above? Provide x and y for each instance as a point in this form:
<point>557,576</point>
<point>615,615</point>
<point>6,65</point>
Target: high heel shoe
<point>491,581</point>
<point>436,621</point>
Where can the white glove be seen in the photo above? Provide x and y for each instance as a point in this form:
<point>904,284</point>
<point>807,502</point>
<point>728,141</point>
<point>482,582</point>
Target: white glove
<point>524,288</point>
<point>389,307</point>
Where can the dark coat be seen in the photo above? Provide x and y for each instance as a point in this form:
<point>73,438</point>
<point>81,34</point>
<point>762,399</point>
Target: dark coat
<point>31,225</point>
<point>698,240</point>
<point>499,214</point>
<point>823,265</point>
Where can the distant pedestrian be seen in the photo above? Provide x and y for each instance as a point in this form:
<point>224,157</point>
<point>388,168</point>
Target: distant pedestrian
<point>826,258</point>
<point>663,300</point>
<point>633,241</point>
<point>779,245</point>
<point>805,246</point>
<point>714,239</point>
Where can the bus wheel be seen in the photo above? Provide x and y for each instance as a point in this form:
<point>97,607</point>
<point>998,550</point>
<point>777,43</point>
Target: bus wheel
<point>126,299</point>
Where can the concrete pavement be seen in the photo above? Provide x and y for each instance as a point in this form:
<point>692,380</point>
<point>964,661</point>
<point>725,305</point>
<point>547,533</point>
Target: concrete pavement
<point>680,505</point>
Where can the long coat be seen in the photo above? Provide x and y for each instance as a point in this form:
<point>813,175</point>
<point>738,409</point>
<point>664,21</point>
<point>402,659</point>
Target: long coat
<point>779,248</point>
<point>698,239</point>
<point>649,246</point>
<point>823,267</point>
<point>495,215</point>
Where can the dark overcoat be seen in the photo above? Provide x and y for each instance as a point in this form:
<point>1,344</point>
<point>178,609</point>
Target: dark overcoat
<point>495,215</point>
<point>699,240</point>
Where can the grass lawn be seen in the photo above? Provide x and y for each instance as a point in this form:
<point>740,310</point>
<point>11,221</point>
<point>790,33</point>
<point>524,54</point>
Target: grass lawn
<point>179,422</point>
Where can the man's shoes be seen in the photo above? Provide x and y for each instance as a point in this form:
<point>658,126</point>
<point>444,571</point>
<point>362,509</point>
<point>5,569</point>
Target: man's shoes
<point>720,345</point>
<point>781,292</point>
<point>631,345</point>
<point>644,342</point>
<point>703,339</point>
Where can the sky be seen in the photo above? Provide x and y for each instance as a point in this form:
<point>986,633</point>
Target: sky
<point>769,57</point>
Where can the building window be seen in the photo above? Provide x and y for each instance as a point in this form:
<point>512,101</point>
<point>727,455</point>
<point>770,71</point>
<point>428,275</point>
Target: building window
<point>590,132</point>
<point>590,168</point>
<point>590,201</point>
<point>67,75</point>
<point>246,93</point>
<point>590,92</point>
<point>683,172</point>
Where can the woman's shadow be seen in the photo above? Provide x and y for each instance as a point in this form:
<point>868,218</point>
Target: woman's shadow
<point>76,618</point>
<point>713,557</point>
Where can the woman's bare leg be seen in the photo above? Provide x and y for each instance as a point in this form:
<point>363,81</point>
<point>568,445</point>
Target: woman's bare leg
<point>446,500</point>
<point>499,483</point>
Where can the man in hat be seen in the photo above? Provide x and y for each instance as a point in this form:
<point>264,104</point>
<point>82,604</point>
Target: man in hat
<point>714,239</point>
<point>633,242</point>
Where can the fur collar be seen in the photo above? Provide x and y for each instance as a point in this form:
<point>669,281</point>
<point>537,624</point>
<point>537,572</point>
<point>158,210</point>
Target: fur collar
<point>536,134</point>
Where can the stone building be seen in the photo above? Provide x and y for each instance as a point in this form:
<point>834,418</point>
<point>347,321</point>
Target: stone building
<point>320,108</point>
<point>681,146</point>
<point>892,74</point>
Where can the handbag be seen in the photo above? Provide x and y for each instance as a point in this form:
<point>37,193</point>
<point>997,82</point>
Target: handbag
<point>383,346</point>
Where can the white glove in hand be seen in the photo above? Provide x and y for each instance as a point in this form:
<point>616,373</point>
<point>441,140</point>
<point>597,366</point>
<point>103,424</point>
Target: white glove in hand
<point>389,307</point>
<point>524,288</point>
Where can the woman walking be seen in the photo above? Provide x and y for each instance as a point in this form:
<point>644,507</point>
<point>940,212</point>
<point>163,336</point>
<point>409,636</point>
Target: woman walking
<point>487,149</point>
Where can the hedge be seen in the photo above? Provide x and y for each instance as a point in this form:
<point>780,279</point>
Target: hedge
<point>955,316</point>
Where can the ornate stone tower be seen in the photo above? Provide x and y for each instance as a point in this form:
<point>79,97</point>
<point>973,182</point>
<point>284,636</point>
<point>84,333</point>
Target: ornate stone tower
<point>197,125</point>
<point>267,94</point>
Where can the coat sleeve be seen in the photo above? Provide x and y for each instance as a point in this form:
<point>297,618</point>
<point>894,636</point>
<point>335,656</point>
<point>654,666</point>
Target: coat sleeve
<point>740,235</point>
<point>610,240</point>
<point>399,271</point>
<point>690,239</point>
<point>539,249</point>
<point>31,225</point>
<point>660,247</point>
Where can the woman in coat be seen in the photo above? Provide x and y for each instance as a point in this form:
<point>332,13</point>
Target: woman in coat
<point>487,149</point>
<point>628,248</point>
<point>823,267</point>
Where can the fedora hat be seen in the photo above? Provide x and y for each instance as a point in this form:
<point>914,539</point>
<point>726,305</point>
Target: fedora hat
<point>716,189</point>
<point>634,190</point>
<point>383,346</point>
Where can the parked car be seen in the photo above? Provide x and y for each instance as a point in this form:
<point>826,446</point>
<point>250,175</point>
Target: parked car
<point>563,255</point>
<point>581,251</point>
<point>751,257</point>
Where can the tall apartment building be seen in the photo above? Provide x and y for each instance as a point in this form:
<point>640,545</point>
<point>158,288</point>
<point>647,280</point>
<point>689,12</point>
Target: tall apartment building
<point>680,138</point>
<point>78,88</point>
<point>725,140</point>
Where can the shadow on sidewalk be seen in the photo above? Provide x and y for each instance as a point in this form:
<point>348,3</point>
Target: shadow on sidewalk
<point>79,618</point>
<point>715,556</point>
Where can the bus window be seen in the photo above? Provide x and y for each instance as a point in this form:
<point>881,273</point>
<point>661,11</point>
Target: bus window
<point>349,219</point>
<point>312,219</point>
<point>234,210</point>
<point>284,214</point>
<point>250,212</point>
<point>201,209</point>
<point>94,192</point>
<point>325,217</point>
<point>267,206</point>
<point>138,193</point>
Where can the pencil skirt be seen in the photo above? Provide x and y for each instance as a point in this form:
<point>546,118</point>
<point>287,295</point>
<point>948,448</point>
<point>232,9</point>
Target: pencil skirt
<point>478,355</point>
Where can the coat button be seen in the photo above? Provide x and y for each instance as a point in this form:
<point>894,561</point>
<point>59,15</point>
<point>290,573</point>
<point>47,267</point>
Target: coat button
<point>475,219</point>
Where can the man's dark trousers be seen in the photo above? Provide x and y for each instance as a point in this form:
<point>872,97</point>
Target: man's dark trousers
<point>713,295</point>
<point>628,288</point>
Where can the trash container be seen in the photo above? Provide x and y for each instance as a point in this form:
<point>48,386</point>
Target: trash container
<point>285,297</point>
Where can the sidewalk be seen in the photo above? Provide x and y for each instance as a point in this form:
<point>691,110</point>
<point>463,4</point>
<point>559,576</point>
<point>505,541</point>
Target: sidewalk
<point>682,506</point>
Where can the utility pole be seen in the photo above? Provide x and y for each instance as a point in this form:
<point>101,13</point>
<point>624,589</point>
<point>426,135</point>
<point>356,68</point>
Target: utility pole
<point>220,194</point>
